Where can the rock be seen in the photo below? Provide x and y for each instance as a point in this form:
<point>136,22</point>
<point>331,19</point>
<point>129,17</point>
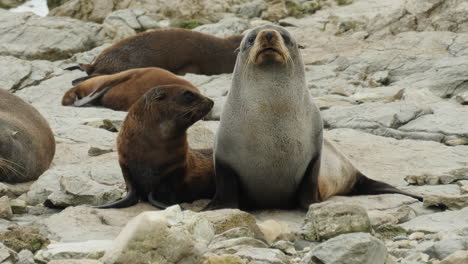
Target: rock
<point>447,201</point>
<point>261,255</point>
<point>25,257</point>
<point>91,249</point>
<point>249,9</point>
<point>59,37</point>
<point>226,219</point>
<point>109,125</point>
<point>81,223</point>
<point>7,4</point>
<point>23,237</point>
<point>446,178</point>
<point>448,221</point>
<point>327,220</point>
<point>14,190</point>
<point>124,23</point>
<point>75,261</point>
<point>273,230</point>
<point>17,74</point>
<point>442,249</point>
<point>93,152</point>
<point>5,208</point>
<point>226,246</point>
<point>200,135</point>
<point>275,10</point>
<point>396,158</point>
<point>18,206</point>
<point>151,236</point>
<point>7,254</point>
<point>462,98</point>
<point>458,257</point>
<point>94,10</point>
<point>223,259</point>
<point>225,28</point>
<point>285,246</point>
<point>214,86</point>
<point>355,248</point>
<point>238,232</point>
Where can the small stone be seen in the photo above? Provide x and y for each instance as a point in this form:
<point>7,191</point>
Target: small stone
<point>462,98</point>
<point>18,206</point>
<point>453,202</point>
<point>226,219</point>
<point>273,230</point>
<point>328,219</point>
<point>25,257</point>
<point>5,208</point>
<point>285,246</point>
<point>416,236</point>
<point>93,151</point>
<point>223,259</point>
<point>457,257</point>
<point>262,255</point>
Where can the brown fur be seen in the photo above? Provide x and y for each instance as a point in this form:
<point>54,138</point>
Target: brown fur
<point>270,48</point>
<point>179,51</point>
<point>27,144</point>
<point>127,87</point>
<point>154,154</point>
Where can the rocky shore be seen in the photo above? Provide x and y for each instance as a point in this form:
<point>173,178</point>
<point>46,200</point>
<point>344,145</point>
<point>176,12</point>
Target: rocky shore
<point>391,79</point>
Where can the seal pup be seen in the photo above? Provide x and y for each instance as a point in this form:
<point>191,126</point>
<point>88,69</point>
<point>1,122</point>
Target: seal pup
<point>179,51</point>
<point>27,144</point>
<point>268,151</point>
<point>120,90</point>
<point>157,164</point>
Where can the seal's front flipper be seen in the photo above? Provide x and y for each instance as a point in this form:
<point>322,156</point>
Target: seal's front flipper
<point>308,192</point>
<point>91,97</point>
<point>156,203</point>
<point>227,189</point>
<point>367,186</point>
<point>101,88</point>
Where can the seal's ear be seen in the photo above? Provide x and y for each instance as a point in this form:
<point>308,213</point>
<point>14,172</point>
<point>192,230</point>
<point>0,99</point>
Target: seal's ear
<point>299,46</point>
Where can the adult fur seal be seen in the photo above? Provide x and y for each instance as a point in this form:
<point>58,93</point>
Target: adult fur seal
<point>120,90</point>
<point>27,144</point>
<point>157,164</point>
<point>180,51</point>
<point>268,151</point>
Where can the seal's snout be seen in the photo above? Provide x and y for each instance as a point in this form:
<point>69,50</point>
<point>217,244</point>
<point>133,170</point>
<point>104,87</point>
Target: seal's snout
<point>269,48</point>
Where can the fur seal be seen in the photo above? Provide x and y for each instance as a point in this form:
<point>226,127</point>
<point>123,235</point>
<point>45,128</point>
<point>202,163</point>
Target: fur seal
<point>27,144</point>
<point>268,151</point>
<point>120,90</point>
<point>179,51</point>
<point>157,164</point>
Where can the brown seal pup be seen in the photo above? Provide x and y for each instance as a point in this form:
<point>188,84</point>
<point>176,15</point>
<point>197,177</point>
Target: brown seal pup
<point>27,144</point>
<point>179,51</point>
<point>120,90</point>
<point>268,149</point>
<point>157,164</point>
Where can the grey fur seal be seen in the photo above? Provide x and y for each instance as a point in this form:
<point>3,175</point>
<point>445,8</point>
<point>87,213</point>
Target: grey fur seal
<point>269,147</point>
<point>27,144</point>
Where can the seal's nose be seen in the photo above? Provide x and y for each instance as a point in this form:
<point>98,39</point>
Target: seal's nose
<point>269,36</point>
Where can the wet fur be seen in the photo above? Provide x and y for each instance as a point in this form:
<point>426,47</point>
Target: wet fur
<point>154,154</point>
<point>27,144</point>
<point>125,87</point>
<point>179,51</point>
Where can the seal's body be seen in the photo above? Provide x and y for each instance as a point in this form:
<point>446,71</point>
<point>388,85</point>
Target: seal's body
<point>120,90</point>
<point>27,144</point>
<point>268,151</point>
<point>270,137</point>
<point>157,164</point>
<point>179,51</point>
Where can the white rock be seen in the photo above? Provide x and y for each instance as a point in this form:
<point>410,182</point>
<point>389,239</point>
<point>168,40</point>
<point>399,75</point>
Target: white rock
<point>91,249</point>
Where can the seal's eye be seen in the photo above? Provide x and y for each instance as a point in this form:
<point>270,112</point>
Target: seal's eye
<point>189,96</point>
<point>251,40</point>
<point>287,39</point>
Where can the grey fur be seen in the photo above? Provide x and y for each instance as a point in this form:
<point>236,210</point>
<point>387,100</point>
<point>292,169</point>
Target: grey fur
<point>270,129</point>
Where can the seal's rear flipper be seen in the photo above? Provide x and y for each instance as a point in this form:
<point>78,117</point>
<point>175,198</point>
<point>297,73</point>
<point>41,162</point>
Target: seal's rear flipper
<point>101,89</point>
<point>366,186</point>
<point>91,97</point>
<point>127,201</point>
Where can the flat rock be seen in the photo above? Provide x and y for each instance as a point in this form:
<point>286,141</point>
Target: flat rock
<point>124,23</point>
<point>261,255</point>
<point>17,73</point>
<point>448,221</point>
<point>453,202</point>
<point>458,257</point>
<point>355,248</point>
<point>225,28</point>
<point>445,247</point>
<point>91,249</point>
<point>82,223</point>
<point>27,36</point>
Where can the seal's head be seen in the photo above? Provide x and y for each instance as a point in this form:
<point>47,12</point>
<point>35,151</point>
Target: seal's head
<point>267,45</point>
<point>171,108</point>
